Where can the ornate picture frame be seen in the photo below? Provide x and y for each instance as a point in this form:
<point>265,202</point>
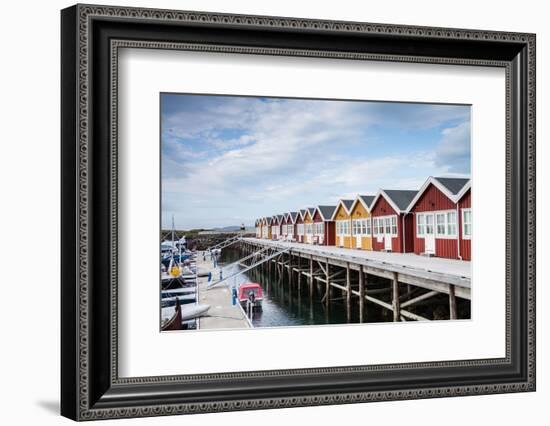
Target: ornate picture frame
<point>90,38</point>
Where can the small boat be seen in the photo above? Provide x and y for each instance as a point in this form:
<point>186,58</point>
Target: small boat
<point>168,282</point>
<point>251,293</point>
<point>187,312</point>
<point>178,291</point>
<point>171,320</point>
<point>183,299</point>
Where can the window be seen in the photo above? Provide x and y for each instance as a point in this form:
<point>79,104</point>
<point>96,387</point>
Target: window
<point>309,228</point>
<point>300,229</point>
<point>451,223</point>
<point>445,224</point>
<point>319,228</point>
<point>388,227</point>
<point>375,226</point>
<point>420,224</point>
<point>467,223</point>
<point>429,224</point>
<point>394,225</point>
<point>367,225</point>
<point>440,222</point>
<point>290,229</point>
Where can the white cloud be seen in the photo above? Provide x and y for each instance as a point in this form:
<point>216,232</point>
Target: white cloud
<point>286,155</point>
<point>453,152</point>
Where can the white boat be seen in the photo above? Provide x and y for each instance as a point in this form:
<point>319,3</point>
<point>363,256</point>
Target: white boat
<point>178,291</point>
<point>184,299</point>
<point>187,312</point>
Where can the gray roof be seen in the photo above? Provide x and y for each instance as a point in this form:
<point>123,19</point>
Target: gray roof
<point>348,203</point>
<point>311,211</point>
<point>454,185</point>
<point>280,217</point>
<point>302,211</point>
<point>294,215</point>
<point>326,211</point>
<point>367,199</point>
<point>401,198</point>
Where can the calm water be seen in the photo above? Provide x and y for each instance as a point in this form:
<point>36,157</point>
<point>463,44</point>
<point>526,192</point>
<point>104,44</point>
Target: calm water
<point>283,305</point>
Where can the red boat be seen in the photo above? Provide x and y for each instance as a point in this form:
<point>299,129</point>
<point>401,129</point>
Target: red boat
<point>251,292</point>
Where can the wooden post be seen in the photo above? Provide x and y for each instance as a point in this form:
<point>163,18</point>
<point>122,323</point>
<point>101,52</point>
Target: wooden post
<point>299,275</point>
<point>290,268</point>
<point>348,292</point>
<point>327,277</point>
<point>361,294</point>
<point>452,302</point>
<point>311,276</point>
<point>395,299</point>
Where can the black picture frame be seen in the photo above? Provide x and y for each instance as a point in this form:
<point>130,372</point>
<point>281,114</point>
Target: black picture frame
<point>90,386</point>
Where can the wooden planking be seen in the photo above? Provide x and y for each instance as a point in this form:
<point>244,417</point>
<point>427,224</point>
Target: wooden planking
<point>384,270</point>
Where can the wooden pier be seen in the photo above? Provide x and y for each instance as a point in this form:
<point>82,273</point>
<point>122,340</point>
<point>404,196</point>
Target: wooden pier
<point>394,281</point>
<point>222,313</point>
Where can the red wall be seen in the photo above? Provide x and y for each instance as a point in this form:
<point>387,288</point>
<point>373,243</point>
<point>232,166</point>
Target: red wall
<point>329,228</point>
<point>433,200</point>
<point>465,245</point>
<point>383,208</point>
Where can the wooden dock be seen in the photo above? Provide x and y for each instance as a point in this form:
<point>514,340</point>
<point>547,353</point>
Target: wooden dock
<point>412,280</point>
<point>222,313</point>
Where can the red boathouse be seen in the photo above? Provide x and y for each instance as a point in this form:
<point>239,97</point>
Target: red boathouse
<point>442,218</point>
<point>392,227</point>
<point>324,232</point>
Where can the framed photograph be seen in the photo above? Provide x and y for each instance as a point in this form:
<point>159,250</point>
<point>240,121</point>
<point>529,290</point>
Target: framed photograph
<point>263,212</point>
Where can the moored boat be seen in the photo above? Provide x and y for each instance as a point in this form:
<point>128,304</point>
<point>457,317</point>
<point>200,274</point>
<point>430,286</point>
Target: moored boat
<point>187,312</point>
<point>251,294</point>
<point>183,299</point>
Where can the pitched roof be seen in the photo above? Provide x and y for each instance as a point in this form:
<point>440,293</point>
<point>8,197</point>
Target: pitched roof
<point>454,185</point>
<point>453,188</point>
<point>302,213</point>
<point>348,203</point>
<point>280,217</point>
<point>367,199</point>
<point>293,216</point>
<point>400,197</point>
<point>326,211</point>
<point>311,211</point>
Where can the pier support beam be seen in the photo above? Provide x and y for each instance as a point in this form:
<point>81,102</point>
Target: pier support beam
<point>311,276</point>
<point>395,299</point>
<point>361,294</point>
<point>327,277</point>
<point>348,292</point>
<point>452,302</point>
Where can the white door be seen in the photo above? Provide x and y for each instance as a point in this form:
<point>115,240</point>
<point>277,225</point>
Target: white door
<point>429,237</point>
<point>387,234</point>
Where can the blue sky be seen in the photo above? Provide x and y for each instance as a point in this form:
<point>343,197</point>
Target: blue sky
<point>229,159</point>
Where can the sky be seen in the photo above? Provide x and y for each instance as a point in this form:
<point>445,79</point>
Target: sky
<point>226,160</point>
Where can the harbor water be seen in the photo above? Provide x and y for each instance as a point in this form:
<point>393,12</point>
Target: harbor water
<point>283,305</point>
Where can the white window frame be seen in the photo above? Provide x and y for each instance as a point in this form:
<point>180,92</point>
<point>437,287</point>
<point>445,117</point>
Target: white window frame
<point>309,228</point>
<point>464,236</point>
<point>420,232</point>
<point>383,226</point>
<point>342,227</point>
<point>445,224</point>
<point>318,228</point>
